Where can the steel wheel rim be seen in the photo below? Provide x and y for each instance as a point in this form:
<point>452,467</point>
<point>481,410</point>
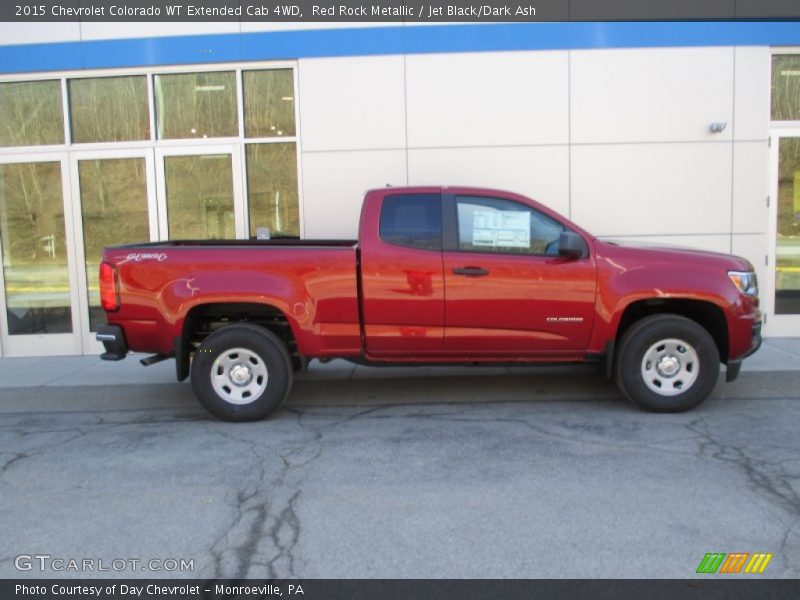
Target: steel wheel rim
<point>239,376</point>
<point>670,367</point>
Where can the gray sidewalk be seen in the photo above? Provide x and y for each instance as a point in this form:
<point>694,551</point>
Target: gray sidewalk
<point>776,354</point>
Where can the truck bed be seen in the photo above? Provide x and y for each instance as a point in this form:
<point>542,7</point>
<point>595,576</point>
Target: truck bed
<point>274,242</point>
<point>312,282</point>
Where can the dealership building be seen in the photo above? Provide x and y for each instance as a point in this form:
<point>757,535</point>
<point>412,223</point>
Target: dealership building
<point>678,133</point>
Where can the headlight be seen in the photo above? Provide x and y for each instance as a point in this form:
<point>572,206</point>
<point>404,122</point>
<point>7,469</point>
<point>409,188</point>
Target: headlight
<point>745,282</point>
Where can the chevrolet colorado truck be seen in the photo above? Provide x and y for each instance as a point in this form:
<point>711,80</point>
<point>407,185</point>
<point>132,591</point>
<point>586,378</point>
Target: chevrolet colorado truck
<point>438,275</point>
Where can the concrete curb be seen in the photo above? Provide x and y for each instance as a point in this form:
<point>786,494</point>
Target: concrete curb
<point>778,354</point>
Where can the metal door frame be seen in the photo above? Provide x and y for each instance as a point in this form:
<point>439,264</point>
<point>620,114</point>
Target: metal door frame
<point>232,149</point>
<point>777,325</point>
<point>47,344</point>
<point>88,344</point>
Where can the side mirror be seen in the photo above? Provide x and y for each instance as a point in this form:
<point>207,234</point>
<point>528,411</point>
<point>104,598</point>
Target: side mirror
<point>571,245</point>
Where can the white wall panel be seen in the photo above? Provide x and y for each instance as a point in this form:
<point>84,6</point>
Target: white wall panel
<point>644,94</point>
<point>540,172</point>
<point>753,82</point>
<point>710,243</point>
<point>352,103</point>
<point>489,99</point>
<point>750,187</point>
<point>38,33</point>
<point>334,184</point>
<point>652,189</point>
<point>92,30</point>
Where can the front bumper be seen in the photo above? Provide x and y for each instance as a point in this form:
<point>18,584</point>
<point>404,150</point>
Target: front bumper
<point>113,341</point>
<point>734,366</point>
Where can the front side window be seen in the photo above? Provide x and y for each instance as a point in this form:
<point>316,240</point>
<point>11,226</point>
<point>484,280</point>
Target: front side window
<point>413,220</point>
<point>503,226</point>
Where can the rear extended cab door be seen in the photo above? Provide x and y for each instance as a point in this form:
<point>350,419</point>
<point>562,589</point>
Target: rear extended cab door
<point>402,283</point>
<point>508,292</point>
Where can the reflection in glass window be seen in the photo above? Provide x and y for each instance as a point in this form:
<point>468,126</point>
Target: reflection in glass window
<point>272,189</point>
<point>109,109</point>
<point>786,87</point>
<point>196,105</point>
<point>31,113</point>
<point>268,103</point>
<point>787,251</point>
<point>495,225</point>
<point>34,248</point>
<point>199,197</point>
<point>114,212</point>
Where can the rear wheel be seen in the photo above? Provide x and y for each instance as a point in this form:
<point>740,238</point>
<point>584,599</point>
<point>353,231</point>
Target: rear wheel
<point>667,363</point>
<point>241,373</point>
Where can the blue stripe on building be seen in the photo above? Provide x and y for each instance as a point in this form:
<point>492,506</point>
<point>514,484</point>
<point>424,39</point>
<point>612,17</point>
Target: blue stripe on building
<point>391,40</point>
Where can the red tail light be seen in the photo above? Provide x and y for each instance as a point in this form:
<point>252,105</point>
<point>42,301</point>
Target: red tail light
<point>109,290</point>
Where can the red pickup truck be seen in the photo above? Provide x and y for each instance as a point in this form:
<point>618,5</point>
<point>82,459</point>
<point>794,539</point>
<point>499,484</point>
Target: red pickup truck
<point>439,275</point>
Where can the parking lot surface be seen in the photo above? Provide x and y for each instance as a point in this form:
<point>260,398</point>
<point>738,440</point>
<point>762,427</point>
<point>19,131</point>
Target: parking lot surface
<point>536,473</point>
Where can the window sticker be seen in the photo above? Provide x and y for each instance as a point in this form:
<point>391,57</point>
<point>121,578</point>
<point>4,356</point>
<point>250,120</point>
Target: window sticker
<point>501,228</point>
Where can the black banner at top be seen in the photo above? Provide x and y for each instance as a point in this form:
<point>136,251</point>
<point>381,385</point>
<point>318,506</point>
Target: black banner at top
<point>394,11</point>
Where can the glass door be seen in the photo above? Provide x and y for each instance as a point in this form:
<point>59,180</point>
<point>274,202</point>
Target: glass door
<point>39,272</point>
<point>200,193</point>
<point>783,298</point>
<point>114,203</point>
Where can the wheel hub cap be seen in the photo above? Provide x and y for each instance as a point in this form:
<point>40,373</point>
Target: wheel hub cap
<point>240,374</point>
<point>668,366</point>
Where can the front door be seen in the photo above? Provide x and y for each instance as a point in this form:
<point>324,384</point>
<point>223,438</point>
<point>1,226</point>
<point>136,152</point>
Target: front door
<point>39,275</point>
<point>507,291</point>
<point>782,300</point>
<point>114,204</point>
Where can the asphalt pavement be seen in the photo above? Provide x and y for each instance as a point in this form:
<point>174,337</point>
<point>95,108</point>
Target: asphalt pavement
<point>410,473</point>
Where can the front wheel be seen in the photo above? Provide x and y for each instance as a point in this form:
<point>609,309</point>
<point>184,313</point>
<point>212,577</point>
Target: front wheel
<point>667,363</point>
<point>241,373</point>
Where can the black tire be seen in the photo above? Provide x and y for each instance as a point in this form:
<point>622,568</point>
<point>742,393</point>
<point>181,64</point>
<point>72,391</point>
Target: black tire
<point>251,354</point>
<point>671,343</point>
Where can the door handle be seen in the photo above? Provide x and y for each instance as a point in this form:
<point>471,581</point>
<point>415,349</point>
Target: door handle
<point>471,271</point>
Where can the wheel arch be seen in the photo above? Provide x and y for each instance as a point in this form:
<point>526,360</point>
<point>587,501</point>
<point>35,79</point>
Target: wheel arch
<point>203,319</point>
<point>706,314</point>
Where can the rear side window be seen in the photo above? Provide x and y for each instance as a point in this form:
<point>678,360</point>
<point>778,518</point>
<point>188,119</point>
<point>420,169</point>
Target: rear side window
<point>413,220</point>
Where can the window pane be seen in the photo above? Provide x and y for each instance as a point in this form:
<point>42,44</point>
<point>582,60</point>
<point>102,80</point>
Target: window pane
<point>199,197</point>
<point>272,188</point>
<point>196,105</point>
<point>34,248</point>
<point>786,88</point>
<point>494,225</point>
<point>114,211</point>
<point>31,113</point>
<point>109,109</point>
<point>268,103</point>
<point>412,220</point>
